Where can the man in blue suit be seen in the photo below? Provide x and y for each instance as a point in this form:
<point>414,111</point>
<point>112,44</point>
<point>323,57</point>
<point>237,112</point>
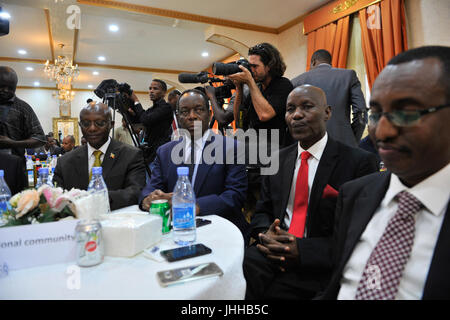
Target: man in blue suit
<point>220,186</point>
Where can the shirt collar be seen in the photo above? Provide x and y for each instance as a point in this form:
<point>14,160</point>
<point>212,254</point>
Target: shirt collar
<point>316,150</point>
<point>433,192</point>
<point>103,148</point>
<point>199,141</point>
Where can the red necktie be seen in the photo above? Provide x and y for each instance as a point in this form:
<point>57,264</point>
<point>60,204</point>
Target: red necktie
<point>300,209</point>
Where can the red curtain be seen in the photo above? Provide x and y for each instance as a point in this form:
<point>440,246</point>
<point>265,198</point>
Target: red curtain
<point>383,35</point>
<point>334,37</point>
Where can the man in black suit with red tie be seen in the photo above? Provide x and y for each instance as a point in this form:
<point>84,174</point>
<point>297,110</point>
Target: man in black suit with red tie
<point>293,221</point>
<point>392,239</point>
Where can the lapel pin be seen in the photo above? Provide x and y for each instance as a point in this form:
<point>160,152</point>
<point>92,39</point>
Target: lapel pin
<point>112,155</point>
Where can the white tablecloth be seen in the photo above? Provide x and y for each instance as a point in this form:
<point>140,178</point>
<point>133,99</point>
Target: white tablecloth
<point>135,278</point>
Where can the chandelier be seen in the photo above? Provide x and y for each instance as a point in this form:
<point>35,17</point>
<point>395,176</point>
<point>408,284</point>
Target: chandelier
<point>64,95</point>
<point>62,71</point>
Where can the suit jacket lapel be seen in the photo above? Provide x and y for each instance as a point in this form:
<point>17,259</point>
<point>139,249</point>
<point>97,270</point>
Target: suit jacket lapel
<point>82,167</point>
<point>436,287</point>
<point>363,209</point>
<point>287,175</point>
<point>110,157</point>
<point>324,170</point>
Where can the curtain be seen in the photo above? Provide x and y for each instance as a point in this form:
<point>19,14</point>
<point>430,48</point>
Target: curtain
<point>383,35</point>
<point>334,37</point>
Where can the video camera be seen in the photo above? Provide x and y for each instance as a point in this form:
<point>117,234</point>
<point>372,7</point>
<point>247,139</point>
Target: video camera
<point>221,92</point>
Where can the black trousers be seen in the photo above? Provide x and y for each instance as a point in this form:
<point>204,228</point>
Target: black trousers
<point>266,281</point>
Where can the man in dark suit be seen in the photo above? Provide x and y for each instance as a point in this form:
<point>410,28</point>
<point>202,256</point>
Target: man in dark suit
<point>293,221</point>
<point>343,90</point>
<point>68,144</point>
<point>123,165</point>
<point>220,187</point>
<point>393,232</point>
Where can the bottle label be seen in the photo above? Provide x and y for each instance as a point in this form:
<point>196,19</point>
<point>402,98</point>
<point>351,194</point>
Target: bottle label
<point>183,217</point>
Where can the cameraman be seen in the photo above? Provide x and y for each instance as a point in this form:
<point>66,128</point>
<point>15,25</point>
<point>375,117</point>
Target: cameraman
<point>157,119</point>
<point>266,104</point>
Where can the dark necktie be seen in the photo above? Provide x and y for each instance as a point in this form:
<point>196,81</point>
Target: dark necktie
<point>384,269</point>
<point>297,227</point>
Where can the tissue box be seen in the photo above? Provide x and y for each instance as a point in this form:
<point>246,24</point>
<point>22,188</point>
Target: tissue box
<point>127,234</point>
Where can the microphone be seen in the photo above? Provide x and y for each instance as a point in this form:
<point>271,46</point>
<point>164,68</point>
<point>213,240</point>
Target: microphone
<point>201,77</point>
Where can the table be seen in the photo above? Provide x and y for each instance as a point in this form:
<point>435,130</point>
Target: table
<point>135,278</point>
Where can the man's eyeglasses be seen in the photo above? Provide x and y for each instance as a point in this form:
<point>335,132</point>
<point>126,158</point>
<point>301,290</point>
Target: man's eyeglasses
<point>98,123</point>
<point>403,118</point>
<point>198,111</point>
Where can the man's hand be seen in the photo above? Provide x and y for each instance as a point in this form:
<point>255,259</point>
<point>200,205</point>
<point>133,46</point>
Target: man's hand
<point>156,195</point>
<point>210,92</point>
<point>279,246</point>
<point>242,77</point>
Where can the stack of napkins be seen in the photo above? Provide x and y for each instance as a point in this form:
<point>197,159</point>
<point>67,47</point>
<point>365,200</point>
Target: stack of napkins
<point>127,234</point>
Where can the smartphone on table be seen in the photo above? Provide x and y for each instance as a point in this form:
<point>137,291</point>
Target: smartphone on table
<point>185,252</point>
<point>185,274</point>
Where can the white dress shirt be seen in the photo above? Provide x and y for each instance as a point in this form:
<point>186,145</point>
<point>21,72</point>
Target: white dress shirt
<point>316,152</point>
<point>434,194</point>
<point>91,157</point>
<point>199,144</point>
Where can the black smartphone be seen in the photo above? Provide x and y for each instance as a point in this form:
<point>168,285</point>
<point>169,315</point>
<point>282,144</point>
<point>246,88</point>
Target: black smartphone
<point>201,222</point>
<point>186,252</point>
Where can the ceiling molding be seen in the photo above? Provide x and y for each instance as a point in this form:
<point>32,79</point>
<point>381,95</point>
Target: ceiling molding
<point>11,59</point>
<point>176,15</point>
<point>97,65</point>
<point>50,34</point>
<point>142,69</point>
<point>75,43</point>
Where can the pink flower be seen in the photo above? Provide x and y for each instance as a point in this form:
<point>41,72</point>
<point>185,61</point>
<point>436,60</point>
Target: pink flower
<point>28,200</point>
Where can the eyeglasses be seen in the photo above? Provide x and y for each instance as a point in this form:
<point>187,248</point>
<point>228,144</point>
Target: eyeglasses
<point>198,111</point>
<point>98,123</point>
<point>403,118</point>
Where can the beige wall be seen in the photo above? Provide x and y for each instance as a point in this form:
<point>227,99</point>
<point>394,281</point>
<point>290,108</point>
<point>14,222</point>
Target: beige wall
<point>292,45</point>
<point>428,22</point>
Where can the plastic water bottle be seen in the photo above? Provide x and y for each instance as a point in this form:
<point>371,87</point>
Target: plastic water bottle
<point>97,187</point>
<point>183,209</point>
<point>54,161</point>
<point>5,195</point>
<point>43,178</point>
<point>30,173</point>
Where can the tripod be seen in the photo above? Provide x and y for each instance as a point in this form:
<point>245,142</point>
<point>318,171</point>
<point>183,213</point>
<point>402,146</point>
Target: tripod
<point>110,99</point>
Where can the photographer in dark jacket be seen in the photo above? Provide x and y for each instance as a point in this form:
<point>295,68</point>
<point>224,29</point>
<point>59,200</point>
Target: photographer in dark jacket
<point>157,119</point>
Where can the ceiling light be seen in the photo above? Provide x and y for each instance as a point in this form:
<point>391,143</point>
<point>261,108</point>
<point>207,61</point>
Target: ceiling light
<point>36,84</point>
<point>29,68</point>
<point>205,54</point>
<point>90,86</point>
<point>113,28</point>
<point>62,71</point>
<point>21,51</point>
<point>101,58</point>
<point>5,15</point>
<point>95,73</point>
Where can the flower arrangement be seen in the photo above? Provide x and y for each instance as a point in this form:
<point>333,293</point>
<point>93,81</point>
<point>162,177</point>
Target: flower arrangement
<point>47,204</point>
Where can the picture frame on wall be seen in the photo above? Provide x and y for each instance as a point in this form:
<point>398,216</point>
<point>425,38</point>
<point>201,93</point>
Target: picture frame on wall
<point>64,126</point>
<point>64,109</point>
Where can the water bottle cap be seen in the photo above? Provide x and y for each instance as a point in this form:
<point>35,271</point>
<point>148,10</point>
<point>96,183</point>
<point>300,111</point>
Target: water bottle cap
<point>43,170</point>
<point>2,173</point>
<point>182,171</point>
<point>96,170</point>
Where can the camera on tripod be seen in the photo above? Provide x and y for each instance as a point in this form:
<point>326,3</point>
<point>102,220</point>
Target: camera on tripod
<point>110,88</point>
